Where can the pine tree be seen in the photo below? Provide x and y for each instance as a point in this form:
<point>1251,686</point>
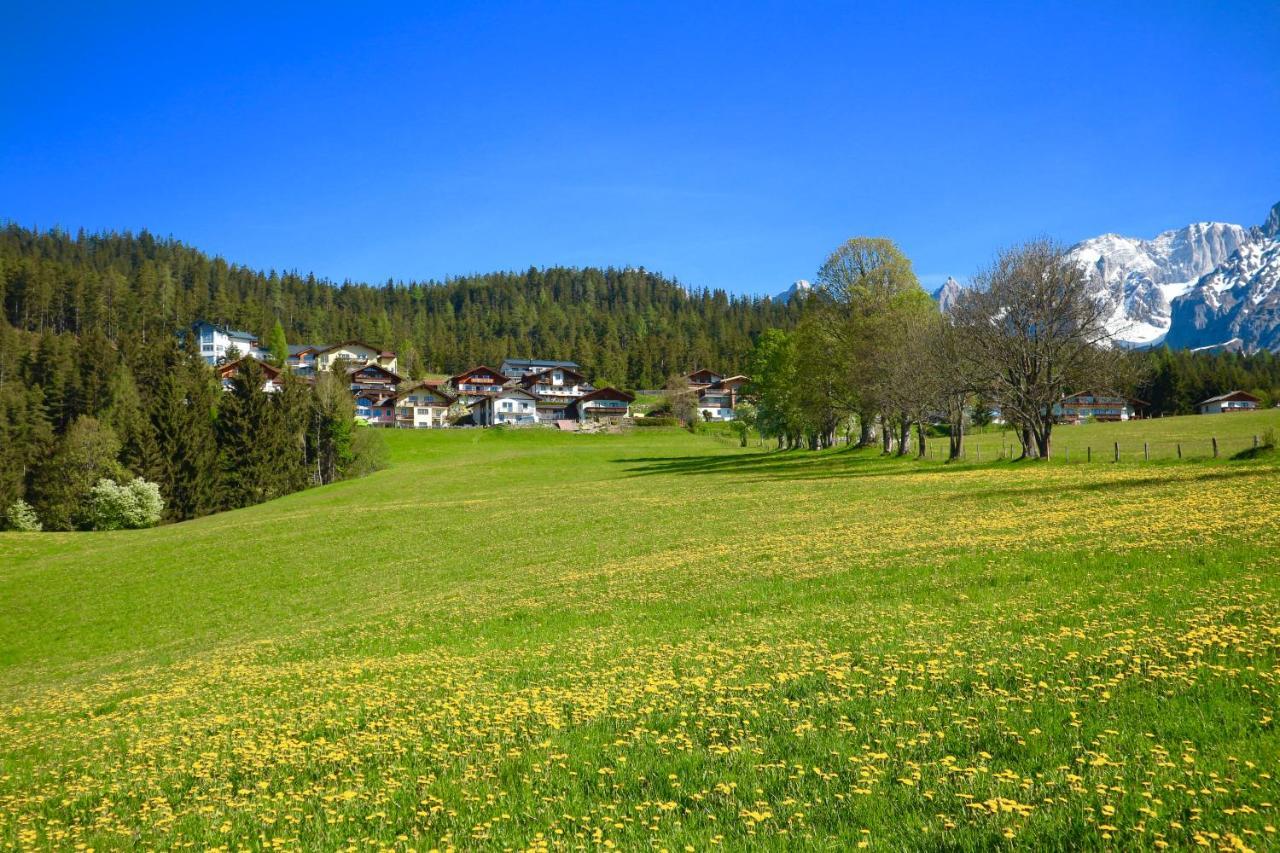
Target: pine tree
<point>248,432</point>
<point>279,346</point>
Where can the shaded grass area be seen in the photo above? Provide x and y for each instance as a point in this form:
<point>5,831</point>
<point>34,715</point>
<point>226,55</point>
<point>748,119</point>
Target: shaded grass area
<point>656,639</point>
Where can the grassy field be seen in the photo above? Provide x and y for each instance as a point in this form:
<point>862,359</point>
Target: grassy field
<point>532,639</point>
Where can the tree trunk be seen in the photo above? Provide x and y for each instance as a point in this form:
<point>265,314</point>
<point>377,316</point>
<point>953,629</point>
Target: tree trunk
<point>886,436</point>
<point>919,439</point>
<point>865,436</point>
<point>904,434</point>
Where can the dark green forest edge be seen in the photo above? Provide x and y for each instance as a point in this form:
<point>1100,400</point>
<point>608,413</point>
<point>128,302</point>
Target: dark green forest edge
<point>95,382</point>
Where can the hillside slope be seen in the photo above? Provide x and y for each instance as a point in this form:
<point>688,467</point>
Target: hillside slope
<point>654,638</point>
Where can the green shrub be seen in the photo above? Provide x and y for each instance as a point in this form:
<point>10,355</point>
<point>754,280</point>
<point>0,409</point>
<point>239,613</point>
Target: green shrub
<point>21,517</point>
<point>368,452</point>
<point>657,422</point>
<point>135,504</point>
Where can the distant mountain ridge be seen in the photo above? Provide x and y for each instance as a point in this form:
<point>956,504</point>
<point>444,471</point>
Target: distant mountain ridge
<point>1205,285</point>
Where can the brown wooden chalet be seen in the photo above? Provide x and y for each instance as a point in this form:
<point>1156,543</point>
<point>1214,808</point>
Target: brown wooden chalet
<point>373,376</point>
<point>271,374</point>
<point>478,381</point>
<point>604,404</point>
<point>1232,401</point>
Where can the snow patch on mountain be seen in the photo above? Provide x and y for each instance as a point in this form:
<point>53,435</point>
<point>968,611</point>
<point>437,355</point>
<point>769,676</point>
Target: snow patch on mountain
<point>1138,280</point>
<point>801,287</point>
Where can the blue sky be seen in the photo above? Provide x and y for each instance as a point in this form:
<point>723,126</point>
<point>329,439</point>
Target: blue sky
<point>728,145</point>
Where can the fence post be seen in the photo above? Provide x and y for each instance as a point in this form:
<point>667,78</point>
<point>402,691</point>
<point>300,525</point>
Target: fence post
<point>1255,442</point>
<point>1117,447</point>
<point>1215,447</point>
<point>1146,452</point>
<point>1179,449</point>
<point>1067,454</point>
<point>1088,454</point>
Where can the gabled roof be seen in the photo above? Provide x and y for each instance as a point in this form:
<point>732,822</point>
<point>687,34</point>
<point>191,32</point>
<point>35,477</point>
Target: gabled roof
<point>462,377</point>
<point>332,347</point>
<point>740,379</point>
<point>607,394</point>
<point>299,349</point>
<point>539,362</point>
<point>433,387</point>
<point>711,376</point>
<point>232,367</point>
<point>534,378</point>
<point>361,368</point>
<point>226,330</point>
<point>1230,395</point>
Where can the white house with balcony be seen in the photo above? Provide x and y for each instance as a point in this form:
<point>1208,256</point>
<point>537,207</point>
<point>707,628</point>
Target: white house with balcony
<point>423,405</point>
<point>1232,401</point>
<point>507,407</point>
<point>215,341</point>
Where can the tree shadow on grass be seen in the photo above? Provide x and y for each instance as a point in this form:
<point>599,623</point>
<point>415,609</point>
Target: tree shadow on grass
<point>783,466</point>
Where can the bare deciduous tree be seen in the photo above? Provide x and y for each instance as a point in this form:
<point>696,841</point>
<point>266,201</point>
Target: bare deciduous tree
<point>1032,333</point>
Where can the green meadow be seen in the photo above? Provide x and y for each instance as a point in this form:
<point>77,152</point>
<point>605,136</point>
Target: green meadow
<point>535,640</point>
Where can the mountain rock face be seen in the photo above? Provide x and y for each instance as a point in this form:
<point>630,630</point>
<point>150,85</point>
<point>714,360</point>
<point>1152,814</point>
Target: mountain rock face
<point>946,294</point>
<point>801,287</point>
<point>1209,284</point>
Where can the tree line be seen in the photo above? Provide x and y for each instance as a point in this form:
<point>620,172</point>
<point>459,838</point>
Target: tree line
<point>873,358</point>
<point>628,327</point>
<point>162,418</point>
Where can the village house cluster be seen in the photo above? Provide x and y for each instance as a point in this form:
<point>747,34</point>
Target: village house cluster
<point>522,392</point>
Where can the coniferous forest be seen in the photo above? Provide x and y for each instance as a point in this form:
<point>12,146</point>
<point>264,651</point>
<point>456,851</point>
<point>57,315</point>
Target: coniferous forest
<point>95,381</point>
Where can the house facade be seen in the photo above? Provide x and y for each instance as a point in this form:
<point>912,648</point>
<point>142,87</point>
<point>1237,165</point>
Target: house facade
<point>423,405</point>
<point>354,353</point>
<point>376,407</point>
<point>605,405</point>
<point>227,372</point>
<point>373,377</point>
<point>216,341</point>
<point>717,395</point>
<point>509,406</point>
<point>477,382</point>
<point>515,368</point>
<point>1086,406</point>
<point>1232,401</point>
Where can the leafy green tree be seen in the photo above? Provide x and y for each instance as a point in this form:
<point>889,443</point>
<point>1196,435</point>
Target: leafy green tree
<point>86,454</point>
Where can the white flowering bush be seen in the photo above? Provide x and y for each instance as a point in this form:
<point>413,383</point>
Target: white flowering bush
<point>20,516</point>
<point>113,506</point>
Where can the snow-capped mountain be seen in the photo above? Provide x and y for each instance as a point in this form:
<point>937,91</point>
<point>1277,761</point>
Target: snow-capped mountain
<point>802,286</point>
<point>1138,280</point>
<point>946,294</point>
<point>1208,285</point>
<point>1237,305</point>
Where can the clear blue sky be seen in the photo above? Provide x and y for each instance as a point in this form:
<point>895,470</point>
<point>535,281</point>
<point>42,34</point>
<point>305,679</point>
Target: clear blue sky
<point>729,145</point>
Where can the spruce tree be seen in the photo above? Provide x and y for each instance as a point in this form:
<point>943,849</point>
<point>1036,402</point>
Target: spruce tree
<point>279,346</point>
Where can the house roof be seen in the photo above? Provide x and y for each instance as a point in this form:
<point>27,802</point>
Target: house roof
<point>1230,395</point>
<point>1105,398</point>
<point>466,374</point>
<point>332,347</point>
<point>538,362</point>
<point>607,394</point>
<point>711,375</point>
<point>361,368</point>
<point>532,378</point>
<point>232,367</point>
<point>299,349</point>
<point>226,330</point>
<point>433,387</point>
